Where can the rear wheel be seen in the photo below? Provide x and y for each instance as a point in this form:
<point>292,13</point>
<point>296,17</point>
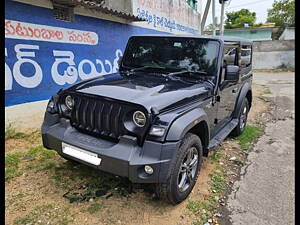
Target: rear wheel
<point>238,130</point>
<point>184,171</point>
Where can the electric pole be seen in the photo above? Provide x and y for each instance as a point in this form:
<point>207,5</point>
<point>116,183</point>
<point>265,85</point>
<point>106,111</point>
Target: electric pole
<point>222,16</point>
<point>213,17</point>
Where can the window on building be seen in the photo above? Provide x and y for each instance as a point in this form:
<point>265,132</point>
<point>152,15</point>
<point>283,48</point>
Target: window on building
<point>192,3</point>
<point>63,12</point>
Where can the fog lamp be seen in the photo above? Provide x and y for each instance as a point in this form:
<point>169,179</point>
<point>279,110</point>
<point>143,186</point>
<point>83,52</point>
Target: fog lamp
<point>148,169</point>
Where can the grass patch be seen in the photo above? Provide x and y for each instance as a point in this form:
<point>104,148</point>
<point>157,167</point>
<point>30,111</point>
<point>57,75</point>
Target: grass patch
<point>11,132</point>
<point>44,214</point>
<point>218,182</point>
<point>202,210</point>
<point>40,158</point>
<point>12,161</point>
<point>197,206</point>
<point>265,92</point>
<point>239,162</point>
<point>48,165</point>
<point>216,156</point>
<point>250,134</point>
<point>40,153</point>
<point>94,207</point>
<point>36,157</point>
<point>11,173</point>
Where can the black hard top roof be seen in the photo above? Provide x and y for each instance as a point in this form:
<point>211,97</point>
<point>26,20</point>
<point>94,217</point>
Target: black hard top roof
<point>225,39</point>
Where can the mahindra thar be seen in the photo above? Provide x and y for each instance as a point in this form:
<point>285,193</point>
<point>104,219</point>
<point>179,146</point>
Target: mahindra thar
<point>173,99</point>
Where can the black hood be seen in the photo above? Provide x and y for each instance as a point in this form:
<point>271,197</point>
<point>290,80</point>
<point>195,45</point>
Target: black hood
<point>147,90</point>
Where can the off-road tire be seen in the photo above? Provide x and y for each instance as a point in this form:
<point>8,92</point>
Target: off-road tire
<point>237,130</point>
<point>169,191</point>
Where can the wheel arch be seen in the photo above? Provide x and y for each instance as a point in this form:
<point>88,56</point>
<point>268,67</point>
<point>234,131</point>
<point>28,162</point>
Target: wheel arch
<point>196,122</point>
<point>245,92</point>
<point>202,131</point>
<point>249,97</point>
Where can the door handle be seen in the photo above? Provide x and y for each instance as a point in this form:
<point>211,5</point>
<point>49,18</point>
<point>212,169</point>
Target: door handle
<point>234,90</point>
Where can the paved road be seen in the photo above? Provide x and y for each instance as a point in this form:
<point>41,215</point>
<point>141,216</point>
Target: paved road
<point>265,194</point>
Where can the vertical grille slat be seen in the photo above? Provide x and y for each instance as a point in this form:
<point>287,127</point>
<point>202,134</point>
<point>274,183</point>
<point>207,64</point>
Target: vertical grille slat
<point>109,118</point>
<point>92,116</point>
<point>101,127</point>
<point>77,108</point>
<point>116,120</point>
<point>84,114</point>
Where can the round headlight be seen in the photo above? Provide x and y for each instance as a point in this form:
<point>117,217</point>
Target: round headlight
<point>139,118</point>
<point>69,102</point>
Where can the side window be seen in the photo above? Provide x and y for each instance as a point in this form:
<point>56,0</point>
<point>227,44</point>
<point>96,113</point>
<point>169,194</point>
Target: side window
<point>246,56</point>
<point>230,56</point>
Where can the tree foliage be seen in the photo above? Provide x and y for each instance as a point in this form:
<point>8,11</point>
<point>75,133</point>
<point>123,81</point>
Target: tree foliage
<point>282,13</point>
<point>239,18</point>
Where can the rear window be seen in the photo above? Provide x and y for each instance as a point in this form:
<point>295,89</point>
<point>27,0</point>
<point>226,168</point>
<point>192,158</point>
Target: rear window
<point>246,56</point>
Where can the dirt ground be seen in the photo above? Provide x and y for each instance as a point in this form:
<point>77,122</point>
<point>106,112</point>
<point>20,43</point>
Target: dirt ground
<point>265,191</point>
<point>38,195</point>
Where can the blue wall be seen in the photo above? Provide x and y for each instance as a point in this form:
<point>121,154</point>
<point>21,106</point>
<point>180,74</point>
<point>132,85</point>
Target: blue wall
<point>30,65</point>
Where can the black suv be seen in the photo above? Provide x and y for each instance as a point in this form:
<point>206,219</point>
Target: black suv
<point>173,100</point>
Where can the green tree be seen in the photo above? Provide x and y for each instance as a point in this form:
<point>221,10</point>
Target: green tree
<point>210,27</point>
<point>239,18</point>
<point>282,13</point>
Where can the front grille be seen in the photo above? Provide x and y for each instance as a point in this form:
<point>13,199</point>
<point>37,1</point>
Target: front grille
<point>99,116</point>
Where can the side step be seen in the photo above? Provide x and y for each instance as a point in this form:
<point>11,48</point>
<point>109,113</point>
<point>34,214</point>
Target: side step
<point>223,133</point>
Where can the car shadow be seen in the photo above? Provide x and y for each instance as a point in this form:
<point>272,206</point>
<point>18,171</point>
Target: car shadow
<point>83,183</point>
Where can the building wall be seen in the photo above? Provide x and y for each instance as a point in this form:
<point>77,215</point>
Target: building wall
<point>288,34</point>
<point>252,34</point>
<point>273,54</point>
<point>174,16</point>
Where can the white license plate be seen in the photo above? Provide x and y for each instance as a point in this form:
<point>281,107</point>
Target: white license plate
<point>81,154</point>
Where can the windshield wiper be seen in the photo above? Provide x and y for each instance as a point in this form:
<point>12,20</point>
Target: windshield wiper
<point>148,67</point>
<point>132,70</point>
<point>191,73</point>
<point>188,72</point>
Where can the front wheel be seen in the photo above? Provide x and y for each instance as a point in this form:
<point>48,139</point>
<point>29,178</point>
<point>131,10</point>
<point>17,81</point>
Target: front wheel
<point>184,171</point>
<point>238,130</point>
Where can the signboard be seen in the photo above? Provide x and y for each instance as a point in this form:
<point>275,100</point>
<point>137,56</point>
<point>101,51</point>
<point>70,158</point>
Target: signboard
<point>170,16</point>
<point>36,32</point>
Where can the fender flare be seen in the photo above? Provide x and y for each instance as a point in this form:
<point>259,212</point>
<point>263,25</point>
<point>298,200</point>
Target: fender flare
<point>183,124</point>
<point>243,92</point>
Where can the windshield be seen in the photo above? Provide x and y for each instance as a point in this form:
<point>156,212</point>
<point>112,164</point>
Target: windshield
<point>172,54</point>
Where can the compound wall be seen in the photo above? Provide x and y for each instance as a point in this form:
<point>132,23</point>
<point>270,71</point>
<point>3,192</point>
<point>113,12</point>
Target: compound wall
<point>275,54</point>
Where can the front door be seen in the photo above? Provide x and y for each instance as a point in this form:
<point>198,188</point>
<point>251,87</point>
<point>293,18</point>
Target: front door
<point>228,92</point>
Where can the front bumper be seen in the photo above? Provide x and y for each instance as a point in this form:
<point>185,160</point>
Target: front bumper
<point>124,158</point>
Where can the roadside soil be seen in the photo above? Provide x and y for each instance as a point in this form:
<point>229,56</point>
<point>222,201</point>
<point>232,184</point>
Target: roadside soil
<point>44,189</point>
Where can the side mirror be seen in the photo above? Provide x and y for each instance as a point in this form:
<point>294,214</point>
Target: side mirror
<point>232,73</point>
<point>119,61</point>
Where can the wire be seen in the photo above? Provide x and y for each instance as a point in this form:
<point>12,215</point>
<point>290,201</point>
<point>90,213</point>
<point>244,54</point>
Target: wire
<point>251,3</point>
